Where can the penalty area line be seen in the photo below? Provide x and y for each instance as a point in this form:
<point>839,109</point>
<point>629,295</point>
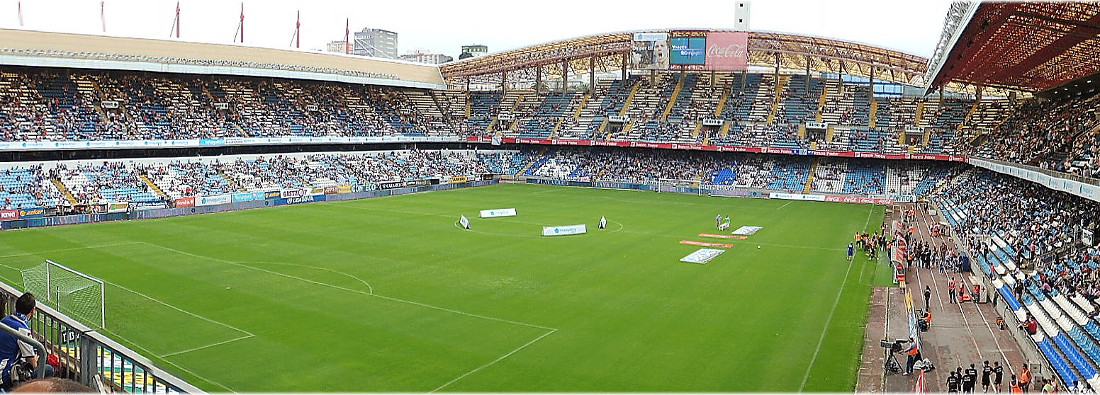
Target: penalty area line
<point>491,363</point>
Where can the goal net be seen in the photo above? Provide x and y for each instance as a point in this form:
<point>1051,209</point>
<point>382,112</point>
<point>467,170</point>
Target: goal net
<point>70,292</point>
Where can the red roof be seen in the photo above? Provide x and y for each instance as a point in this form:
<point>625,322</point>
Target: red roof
<point>1030,46</point>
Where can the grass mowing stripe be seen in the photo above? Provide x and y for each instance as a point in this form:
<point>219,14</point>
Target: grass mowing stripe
<point>624,313</point>
<point>832,312</point>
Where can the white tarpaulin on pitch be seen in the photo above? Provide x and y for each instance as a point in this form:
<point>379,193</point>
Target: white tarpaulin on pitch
<point>747,230</point>
<point>702,256</point>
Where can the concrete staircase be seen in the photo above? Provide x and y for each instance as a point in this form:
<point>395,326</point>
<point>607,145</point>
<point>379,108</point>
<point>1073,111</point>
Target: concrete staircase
<point>153,186</point>
<point>672,100</point>
<point>64,191</point>
<point>920,113</point>
<point>779,85</point>
<point>231,181</point>
<point>810,177</point>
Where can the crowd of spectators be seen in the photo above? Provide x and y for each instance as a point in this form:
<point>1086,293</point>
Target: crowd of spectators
<point>1040,225</point>
<point>1057,134</point>
<point>45,105</point>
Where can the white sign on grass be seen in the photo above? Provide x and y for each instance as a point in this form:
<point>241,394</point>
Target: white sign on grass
<point>702,256</point>
<point>564,230</point>
<point>498,212</point>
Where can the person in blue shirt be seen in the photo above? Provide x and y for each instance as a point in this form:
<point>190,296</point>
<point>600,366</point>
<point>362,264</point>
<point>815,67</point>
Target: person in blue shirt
<point>851,251</point>
<point>12,350</point>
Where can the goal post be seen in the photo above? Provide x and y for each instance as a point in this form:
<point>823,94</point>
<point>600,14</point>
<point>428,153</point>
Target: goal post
<point>71,292</point>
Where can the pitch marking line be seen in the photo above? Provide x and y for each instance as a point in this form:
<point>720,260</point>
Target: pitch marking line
<point>785,205</point>
<point>371,289</point>
<point>150,352</point>
<point>501,358</point>
<point>69,249</point>
<point>829,321</point>
<point>207,346</point>
<point>498,359</point>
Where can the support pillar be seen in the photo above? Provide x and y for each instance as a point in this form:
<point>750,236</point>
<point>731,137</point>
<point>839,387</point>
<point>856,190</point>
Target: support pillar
<point>840,75</point>
<point>564,75</point>
<point>776,68</point>
<point>744,76</point>
<point>538,80</point>
<point>503,82</point>
<point>592,72</point>
<point>871,81</point>
<point>626,66</point>
<point>808,61</point>
<point>712,82</point>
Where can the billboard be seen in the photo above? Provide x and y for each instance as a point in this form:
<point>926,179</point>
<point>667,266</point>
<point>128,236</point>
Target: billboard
<point>727,51</point>
<point>688,50</point>
<point>650,51</point>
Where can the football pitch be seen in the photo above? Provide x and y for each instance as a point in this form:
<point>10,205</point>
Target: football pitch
<point>390,294</point>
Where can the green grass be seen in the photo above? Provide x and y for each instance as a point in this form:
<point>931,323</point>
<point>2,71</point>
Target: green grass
<point>387,294</point>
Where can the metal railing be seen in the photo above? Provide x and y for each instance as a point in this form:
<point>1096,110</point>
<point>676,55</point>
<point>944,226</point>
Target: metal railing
<point>85,355</point>
<point>1052,173</point>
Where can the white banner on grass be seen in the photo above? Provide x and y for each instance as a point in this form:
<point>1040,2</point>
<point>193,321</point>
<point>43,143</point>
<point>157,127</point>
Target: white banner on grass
<point>564,230</point>
<point>702,255</point>
<point>498,212</point>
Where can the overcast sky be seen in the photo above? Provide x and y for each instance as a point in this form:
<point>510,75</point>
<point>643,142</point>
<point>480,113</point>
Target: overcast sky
<point>444,26</point>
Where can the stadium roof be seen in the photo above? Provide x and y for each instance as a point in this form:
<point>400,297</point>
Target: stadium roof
<point>1029,46</point>
<point>765,49</point>
<point>45,49</point>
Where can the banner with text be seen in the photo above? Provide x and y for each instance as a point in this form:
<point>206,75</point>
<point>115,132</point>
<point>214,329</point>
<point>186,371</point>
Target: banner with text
<point>797,196</point>
<point>727,51</point>
<point>9,214</point>
<point>186,202</point>
<point>649,51</point>
<point>498,212</point>
<point>212,200</point>
<point>564,230</point>
<point>33,212</point>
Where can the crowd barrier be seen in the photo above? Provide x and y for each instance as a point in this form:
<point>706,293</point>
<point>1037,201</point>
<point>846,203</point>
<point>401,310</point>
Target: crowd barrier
<point>87,356</point>
<point>233,206</point>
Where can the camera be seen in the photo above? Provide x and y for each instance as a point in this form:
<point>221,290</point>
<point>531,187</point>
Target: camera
<point>893,345</point>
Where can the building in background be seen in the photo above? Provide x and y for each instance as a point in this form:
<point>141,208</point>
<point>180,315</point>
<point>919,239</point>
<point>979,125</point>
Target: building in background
<point>422,56</point>
<point>375,42</point>
<point>473,51</point>
<point>336,46</point>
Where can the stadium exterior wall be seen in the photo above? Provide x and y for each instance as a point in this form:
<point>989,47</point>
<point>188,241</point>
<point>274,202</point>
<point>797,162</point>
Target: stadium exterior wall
<point>50,49</point>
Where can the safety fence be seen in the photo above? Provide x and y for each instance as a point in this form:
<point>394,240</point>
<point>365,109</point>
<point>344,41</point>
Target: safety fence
<point>91,358</point>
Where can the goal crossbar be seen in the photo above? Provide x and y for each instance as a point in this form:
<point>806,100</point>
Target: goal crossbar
<point>53,273</point>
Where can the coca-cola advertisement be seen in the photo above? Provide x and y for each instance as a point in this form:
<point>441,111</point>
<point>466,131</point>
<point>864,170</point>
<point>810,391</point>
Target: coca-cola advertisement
<point>727,51</point>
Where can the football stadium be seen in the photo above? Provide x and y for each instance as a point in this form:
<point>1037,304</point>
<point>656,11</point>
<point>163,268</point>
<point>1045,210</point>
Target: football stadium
<point>180,216</point>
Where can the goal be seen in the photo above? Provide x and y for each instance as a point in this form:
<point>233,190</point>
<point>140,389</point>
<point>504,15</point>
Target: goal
<point>72,293</point>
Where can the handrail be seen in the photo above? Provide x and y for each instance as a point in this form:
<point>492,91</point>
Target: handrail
<point>1052,173</point>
